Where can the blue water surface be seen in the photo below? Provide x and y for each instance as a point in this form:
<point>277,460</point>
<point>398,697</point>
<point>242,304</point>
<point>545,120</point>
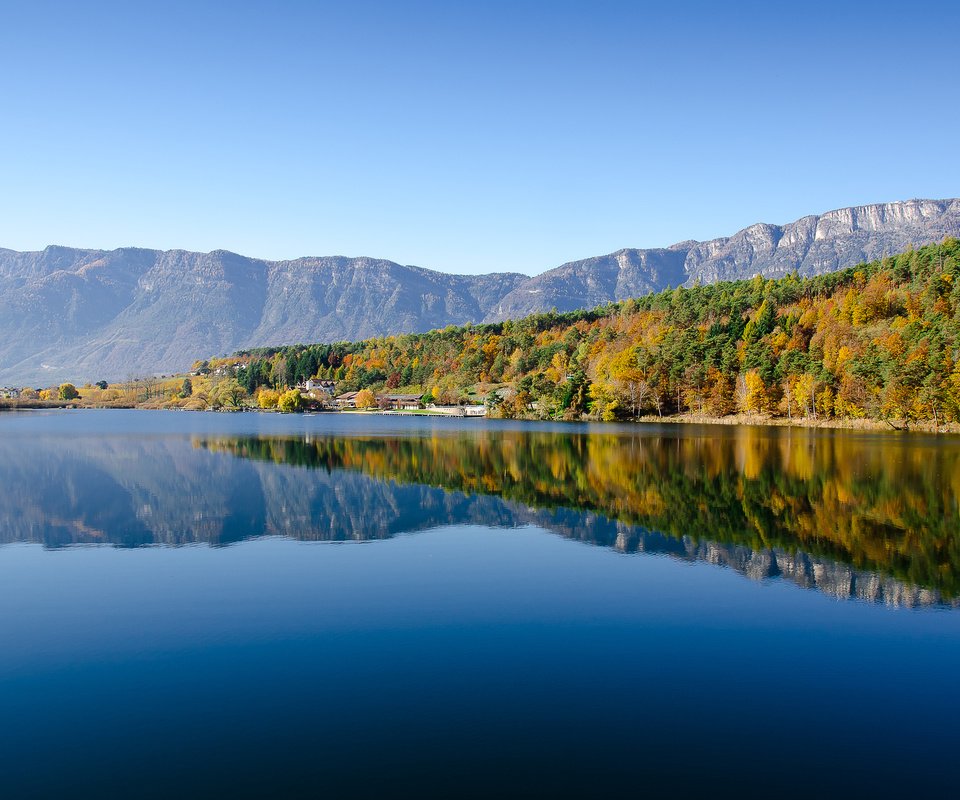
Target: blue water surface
<point>456,658</point>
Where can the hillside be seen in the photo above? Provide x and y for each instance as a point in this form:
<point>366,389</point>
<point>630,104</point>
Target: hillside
<point>75,314</point>
<point>878,341</point>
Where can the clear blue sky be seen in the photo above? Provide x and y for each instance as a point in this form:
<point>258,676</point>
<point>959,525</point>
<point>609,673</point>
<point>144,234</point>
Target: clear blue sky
<point>465,137</point>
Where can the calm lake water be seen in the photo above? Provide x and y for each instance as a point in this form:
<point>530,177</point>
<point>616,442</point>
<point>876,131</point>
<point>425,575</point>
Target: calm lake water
<point>256,605</point>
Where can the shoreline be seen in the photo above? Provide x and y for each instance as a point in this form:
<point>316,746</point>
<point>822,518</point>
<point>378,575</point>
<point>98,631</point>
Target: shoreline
<point>741,420</point>
<point>759,420</point>
<point>35,405</point>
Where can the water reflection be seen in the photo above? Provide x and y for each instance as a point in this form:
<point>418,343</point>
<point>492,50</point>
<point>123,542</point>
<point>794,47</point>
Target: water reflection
<point>867,517</point>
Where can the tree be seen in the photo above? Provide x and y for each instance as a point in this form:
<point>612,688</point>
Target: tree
<point>804,394</point>
<point>281,373</point>
<point>629,381</point>
<point>268,398</point>
<point>721,400</point>
<point>493,402</point>
<point>762,323</point>
<point>102,385</point>
<point>68,391</point>
<point>186,388</point>
<point>366,399</point>
<point>227,393</point>
<point>603,402</point>
<point>290,401</point>
<point>755,395</point>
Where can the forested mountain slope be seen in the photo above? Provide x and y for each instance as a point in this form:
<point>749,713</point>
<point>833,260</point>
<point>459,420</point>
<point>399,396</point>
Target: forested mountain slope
<point>881,340</point>
<point>813,245</point>
<point>76,314</point>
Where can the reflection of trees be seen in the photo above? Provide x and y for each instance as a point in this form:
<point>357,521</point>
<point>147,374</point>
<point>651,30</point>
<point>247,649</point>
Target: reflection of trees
<point>767,502</point>
<point>874,503</point>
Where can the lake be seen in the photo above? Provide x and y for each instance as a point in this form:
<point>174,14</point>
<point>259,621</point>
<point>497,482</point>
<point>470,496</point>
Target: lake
<point>261,605</point>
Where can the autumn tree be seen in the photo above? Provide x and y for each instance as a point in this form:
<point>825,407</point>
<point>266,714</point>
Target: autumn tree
<point>753,396</point>
<point>227,394</point>
<point>290,401</point>
<point>366,399</point>
<point>267,398</point>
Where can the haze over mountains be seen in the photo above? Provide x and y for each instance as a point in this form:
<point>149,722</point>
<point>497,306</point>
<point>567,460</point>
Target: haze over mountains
<point>72,314</point>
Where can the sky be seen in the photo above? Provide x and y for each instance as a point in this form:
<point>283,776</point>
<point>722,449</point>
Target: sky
<point>463,136</point>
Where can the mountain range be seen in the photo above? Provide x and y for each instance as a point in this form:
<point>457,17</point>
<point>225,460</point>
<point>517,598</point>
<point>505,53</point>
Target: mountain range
<point>76,314</point>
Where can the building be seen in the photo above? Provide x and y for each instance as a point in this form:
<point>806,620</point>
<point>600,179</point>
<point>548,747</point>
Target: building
<point>346,400</point>
<point>399,402</point>
<point>317,388</point>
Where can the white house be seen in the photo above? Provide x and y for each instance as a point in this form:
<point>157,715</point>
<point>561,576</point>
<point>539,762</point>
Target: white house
<point>311,385</point>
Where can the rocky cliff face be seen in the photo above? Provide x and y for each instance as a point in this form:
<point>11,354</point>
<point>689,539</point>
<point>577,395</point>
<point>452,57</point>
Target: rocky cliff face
<point>85,315</point>
<point>69,314</point>
<point>589,283</point>
<point>811,246</point>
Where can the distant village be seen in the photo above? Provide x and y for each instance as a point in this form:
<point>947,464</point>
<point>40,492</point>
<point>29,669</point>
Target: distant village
<point>323,392</point>
<point>313,395</point>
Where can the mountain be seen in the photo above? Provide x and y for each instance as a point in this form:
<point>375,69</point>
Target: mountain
<point>811,246</point>
<point>75,314</point>
<point>89,314</point>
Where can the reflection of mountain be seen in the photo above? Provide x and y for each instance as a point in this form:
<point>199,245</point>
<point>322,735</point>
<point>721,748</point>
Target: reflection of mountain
<point>878,504</point>
<point>830,577</point>
<point>875,520</point>
<point>130,492</point>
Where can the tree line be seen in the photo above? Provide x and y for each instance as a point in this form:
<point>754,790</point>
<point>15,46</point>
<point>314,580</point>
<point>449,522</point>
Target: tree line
<point>876,341</point>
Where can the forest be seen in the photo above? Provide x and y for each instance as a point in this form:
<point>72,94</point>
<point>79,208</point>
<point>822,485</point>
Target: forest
<point>877,341</point>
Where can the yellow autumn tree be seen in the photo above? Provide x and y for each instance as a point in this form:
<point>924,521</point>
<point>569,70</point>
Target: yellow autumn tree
<point>755,394</point>
<point>68,391</point>
<point>267,398</point>
<point>803,393</point>
<point>290,401</point>
<point>366,399</point>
